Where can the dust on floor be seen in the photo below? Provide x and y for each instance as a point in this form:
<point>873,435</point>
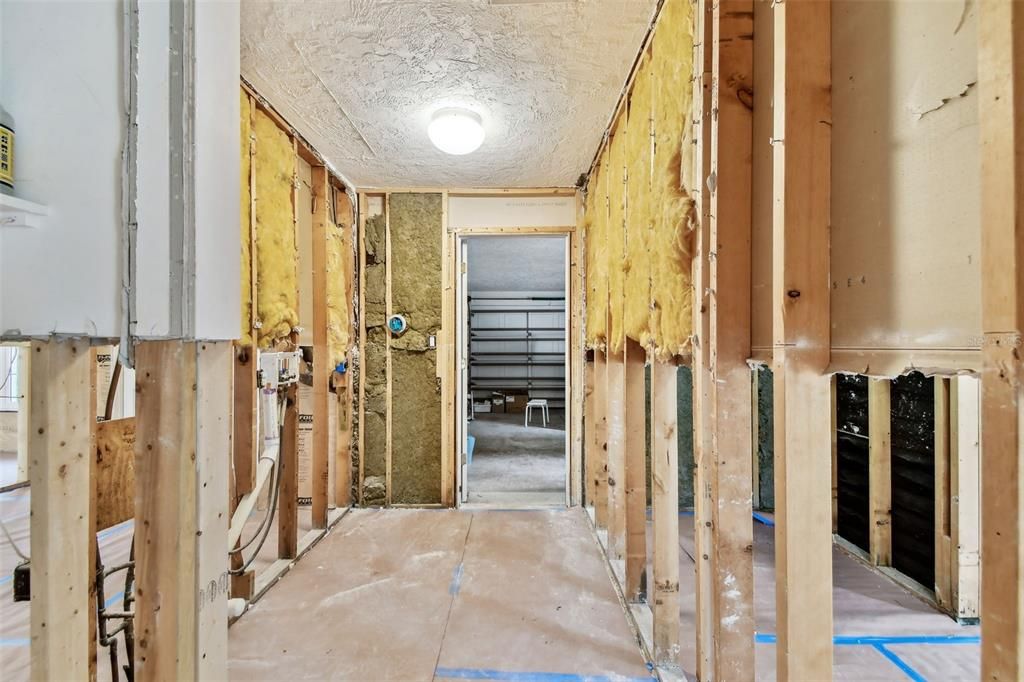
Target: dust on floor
<point>439,594</point>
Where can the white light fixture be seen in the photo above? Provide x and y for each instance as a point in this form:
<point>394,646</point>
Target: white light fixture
<point>456,131</point>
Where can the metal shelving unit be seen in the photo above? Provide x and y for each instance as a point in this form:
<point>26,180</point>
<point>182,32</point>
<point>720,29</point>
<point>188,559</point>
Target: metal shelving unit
<point>517,344</point>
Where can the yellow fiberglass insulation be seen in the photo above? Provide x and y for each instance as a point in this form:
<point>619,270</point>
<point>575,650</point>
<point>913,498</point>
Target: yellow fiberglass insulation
<point>639,221</point>
<point>671,237</point>
<point>597,259</point>
<point>246,271</point>
<point>339,263</point>
<point>277,297</point>
<point>616,235</point>
<point>644,270</point>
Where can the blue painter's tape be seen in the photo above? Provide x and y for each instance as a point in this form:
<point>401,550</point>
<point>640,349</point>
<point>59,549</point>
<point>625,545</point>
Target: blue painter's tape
<point>113,599</point>
<point>14,641</point>
<point>456,584</point>
<point>509,676</point>
<point>872,640</point>
<point>907,669</point>
<point>758,516</point>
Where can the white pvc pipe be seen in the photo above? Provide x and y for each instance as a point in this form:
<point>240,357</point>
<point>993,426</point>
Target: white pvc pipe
<point>264,465</point>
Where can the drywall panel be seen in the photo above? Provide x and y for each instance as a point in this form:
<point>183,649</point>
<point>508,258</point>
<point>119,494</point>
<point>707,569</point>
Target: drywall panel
<point>761,190</point>
<point>511,211</point>
<point>153,180</point>
<point>304,241</point>
<point>63,86</point>
<point>905,186</point>
<point>216,167</point>
<point>415,232</point>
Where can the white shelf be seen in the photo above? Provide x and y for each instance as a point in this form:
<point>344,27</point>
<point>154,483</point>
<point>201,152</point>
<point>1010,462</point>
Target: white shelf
<point>15,212</point>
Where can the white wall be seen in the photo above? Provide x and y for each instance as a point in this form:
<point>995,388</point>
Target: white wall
<point>511,211</point>
<point>60,78</point>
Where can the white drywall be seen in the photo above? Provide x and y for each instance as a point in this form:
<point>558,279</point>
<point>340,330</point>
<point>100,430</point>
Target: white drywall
<point>217,170</point>
<point>511,211</point>
<point>60,78</point>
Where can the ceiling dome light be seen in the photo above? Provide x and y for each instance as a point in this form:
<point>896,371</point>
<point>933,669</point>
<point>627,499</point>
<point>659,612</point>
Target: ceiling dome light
<point>456,131</point>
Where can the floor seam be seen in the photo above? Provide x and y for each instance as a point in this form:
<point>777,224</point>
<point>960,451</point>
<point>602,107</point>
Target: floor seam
<point>451,604</point>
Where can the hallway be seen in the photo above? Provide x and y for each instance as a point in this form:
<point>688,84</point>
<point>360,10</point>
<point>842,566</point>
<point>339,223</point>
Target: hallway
<point>438,595</point>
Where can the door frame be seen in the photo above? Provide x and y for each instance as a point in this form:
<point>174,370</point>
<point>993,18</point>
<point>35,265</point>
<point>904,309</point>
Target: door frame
<point>454,454</point>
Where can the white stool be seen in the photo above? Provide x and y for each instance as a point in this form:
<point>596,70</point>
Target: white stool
<point>543,405</point>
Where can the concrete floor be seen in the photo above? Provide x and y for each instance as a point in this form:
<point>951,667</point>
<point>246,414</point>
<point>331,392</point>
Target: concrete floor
<point>517,465</point>
<point>443,595</point>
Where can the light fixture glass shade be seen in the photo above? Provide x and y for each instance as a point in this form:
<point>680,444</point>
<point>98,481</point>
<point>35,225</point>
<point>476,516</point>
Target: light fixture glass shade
<point>456,131</point>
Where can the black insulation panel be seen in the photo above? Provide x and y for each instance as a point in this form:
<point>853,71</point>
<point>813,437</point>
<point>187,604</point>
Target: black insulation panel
<point>913,477</point>
<point>852,458</point>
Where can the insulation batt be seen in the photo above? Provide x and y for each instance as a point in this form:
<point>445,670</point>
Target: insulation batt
<point>246,270</point>
<point>639,248</point>
<point>597,259</point>
<point>617,236</point>
<point>339,268</point>
<point>277,297</point>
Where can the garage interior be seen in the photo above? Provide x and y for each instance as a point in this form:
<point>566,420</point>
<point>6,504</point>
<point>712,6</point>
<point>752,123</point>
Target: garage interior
<point>279,283</point>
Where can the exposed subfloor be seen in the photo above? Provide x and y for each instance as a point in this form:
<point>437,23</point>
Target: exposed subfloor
<point>439,594</point>
<point>882,631</point>
<point>515,464</point>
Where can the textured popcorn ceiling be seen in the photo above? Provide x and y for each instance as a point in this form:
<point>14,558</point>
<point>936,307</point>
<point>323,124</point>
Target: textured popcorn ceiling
<point>361,78</point>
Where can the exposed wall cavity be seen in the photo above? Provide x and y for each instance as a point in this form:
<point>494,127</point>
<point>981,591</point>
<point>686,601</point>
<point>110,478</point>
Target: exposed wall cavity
<point>415,233</point>
<point>853,503</point>
<point>639,218</point>
<point>374,364</point>
<point>340,263</point>
<point>276,248</point>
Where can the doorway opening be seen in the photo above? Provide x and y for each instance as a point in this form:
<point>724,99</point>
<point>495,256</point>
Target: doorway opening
<point>513,366</point>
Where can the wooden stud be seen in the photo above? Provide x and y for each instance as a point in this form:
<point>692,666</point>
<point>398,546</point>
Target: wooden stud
<point>702,442</point>
<point>965,530</point>
<point>755,440</point>
<point>636,472</point>
<point>61,521</point>
<point>322,368</point>
<point>600,459</point>
<point>943,494</point>
<point>346,386</point>
<point>288,497</point>
<point>388,372</point>
<point>574,355</point>
<point>801,339</point>
<point>665,513</point>
<point>447,371</point>
<point>361,240</point>
<point>880,471</point>
<point>728,468</point>
<point>616,455</point>
<point>182,430</point>
<point>1001,116</point>
<point>590,437</point>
